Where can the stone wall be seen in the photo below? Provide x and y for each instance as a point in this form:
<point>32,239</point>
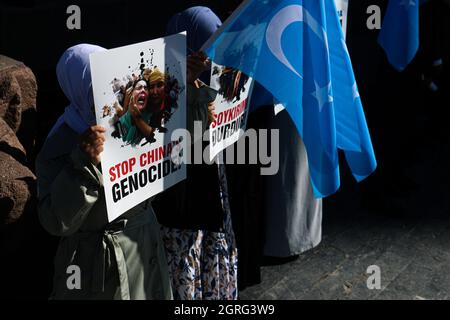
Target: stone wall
<point>26,249</point>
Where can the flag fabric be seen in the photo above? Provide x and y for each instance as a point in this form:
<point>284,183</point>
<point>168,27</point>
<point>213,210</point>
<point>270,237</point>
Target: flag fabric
<point>296,50</point>
<point>399,34</point>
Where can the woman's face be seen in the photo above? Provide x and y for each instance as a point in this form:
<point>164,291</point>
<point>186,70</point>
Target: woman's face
<point>140,94</point>
<point>157,92</point>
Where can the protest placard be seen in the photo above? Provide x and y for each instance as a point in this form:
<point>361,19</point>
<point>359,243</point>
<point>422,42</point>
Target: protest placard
<point>231,107</point>
<point>140,98</point>
<point>342,9</point>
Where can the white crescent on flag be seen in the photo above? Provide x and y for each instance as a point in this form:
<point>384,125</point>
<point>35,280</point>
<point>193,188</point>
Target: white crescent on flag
<point>280,21</point>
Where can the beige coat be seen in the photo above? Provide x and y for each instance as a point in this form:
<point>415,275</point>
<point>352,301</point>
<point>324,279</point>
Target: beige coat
<point>123,259</point>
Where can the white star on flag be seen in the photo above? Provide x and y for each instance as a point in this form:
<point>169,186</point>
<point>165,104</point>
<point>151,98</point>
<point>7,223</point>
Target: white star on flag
<point>322,95</point>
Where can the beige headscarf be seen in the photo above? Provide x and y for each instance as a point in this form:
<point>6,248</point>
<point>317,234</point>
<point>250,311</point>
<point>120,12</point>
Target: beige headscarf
<point>153,76</point>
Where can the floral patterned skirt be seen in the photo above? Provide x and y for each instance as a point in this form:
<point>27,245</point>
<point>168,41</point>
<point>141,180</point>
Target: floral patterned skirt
<point>203,264</point>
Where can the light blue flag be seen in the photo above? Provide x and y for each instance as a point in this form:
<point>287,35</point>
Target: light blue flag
<point>399,34</point>
<point>296,50</point>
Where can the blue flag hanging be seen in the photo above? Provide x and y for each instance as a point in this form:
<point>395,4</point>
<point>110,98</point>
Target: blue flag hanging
<point>296,50</point>
<point>399,34</point>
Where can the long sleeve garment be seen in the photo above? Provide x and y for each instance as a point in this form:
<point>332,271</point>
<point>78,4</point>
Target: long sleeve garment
<point>123,259</point>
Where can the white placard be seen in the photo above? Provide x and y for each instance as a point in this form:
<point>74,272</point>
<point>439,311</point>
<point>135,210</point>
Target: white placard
<point>342,9</point>
<point>231,107</point>
<point>140,89</point>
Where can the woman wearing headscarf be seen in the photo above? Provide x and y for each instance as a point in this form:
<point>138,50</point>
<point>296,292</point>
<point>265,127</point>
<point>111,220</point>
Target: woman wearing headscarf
<point>123,259</point>
<point>132,124</point>
<point>197,230</point>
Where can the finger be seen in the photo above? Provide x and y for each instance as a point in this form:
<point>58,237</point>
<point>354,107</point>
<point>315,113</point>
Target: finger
<point>195,60</point>
<point>98,128</point>
<point>199,55</point>
<point>98,135</point>
<point>89,139</point>
<point>97,143</point>
<point>98,139</point>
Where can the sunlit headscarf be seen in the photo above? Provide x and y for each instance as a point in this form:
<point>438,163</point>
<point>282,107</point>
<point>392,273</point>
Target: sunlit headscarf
<point>74,77</point>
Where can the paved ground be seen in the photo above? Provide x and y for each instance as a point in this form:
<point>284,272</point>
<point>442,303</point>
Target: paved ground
<point>411,247</point>
<point>413,255</point>
<point>410,241</point>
